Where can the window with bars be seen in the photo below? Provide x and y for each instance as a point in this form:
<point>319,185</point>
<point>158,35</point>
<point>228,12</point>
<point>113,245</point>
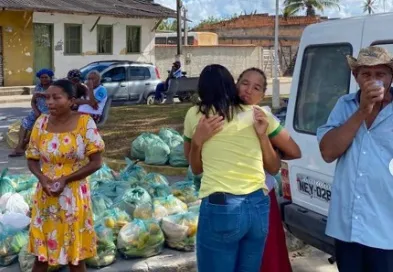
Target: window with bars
<point>133,39</point>
<point>105,39</point>
<point>73,39</point>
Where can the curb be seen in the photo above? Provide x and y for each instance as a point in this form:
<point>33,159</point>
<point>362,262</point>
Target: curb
<point>26,99</point>
<point>165,170</point>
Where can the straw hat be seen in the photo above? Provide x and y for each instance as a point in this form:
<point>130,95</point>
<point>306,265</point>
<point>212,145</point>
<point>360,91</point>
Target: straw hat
<point>371,56</point>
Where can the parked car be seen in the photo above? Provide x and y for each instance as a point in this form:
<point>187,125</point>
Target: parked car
<point>126,81</point>
<point>320,77</point>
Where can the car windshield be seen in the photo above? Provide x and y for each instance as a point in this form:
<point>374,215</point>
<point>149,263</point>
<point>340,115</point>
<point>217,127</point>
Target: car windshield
<point>99,66</point>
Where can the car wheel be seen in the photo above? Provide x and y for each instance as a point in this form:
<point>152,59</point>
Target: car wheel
<point>150,99</point>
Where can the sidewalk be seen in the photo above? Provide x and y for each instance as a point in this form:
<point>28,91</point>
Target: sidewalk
<point>12,99</point>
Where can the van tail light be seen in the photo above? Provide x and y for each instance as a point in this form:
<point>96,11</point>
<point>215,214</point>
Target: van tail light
<point>158,73</point>
<point>286,185</point>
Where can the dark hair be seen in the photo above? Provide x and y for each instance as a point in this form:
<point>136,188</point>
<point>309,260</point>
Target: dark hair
<point>217,91</point>
<point>67,87</point>
<point>81,90</point>
<point>254,69</point>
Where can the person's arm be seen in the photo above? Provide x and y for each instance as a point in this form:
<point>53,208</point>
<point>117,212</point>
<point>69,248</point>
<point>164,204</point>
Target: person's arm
<point>286,145</point>
<point>335,142</point>
<point>195,157</point>
<point>187,150</point>
<point>34,104</point>
<point>94,164</point>
<point>81,101</point>
<point>271,159</point>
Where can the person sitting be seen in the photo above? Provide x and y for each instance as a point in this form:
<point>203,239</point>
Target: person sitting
<point>38,105</point>
<point>162,87</point>
<point>96,98</point>
<point>81,90</point>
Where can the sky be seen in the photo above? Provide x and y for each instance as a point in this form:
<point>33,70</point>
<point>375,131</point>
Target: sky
<point>202,9</point>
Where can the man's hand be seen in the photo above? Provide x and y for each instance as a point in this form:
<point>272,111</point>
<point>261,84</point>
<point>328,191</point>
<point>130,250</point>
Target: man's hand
<point>207,128</point>
<point>369,96</point>
<point>260,121</point>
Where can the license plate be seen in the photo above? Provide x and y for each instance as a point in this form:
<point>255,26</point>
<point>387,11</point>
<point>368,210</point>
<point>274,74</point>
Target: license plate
<point>314,188</point>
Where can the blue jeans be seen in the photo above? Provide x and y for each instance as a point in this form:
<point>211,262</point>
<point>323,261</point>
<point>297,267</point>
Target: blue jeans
<point>159,90</point>
<point>231,237</point>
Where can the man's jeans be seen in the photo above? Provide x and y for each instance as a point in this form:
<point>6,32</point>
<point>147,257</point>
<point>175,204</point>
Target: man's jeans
<point>231,237</point>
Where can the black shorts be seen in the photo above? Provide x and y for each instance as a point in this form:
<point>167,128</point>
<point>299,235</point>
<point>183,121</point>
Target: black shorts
<point>353,257</point>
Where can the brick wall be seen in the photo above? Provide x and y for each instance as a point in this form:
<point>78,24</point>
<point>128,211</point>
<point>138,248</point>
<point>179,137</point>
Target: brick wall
<point>195,58</point>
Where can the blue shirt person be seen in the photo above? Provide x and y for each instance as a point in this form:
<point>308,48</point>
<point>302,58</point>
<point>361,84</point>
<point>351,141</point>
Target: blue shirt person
<point>359,135</point>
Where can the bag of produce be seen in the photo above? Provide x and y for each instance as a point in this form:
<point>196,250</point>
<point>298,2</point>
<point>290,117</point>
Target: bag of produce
<point>143,211</point>
<point>153,179</point>
<point>176,157</point>
<point>23,182</point>
<point>141,143</point>
<point>28,195</point>
<point>13,134</point>
<point>106,248</point>
<point>6,184</point>
<point>159,212</point>
<point>114,219</point>
<point>140,239</point>
<point>172,204</point>
<point>132,171</point>
<point>100,204</point>
<point>194,206</point>
<point>185,191</point>
<point>170,136</point>
<point>180,230</point>
<point>158,190</point>
<point>17,204</point>
<point>157,153</point>
<point>11,242</point>
<point>3,201</point>
<point>26,261</point>
<point>133,198</point>
<point>103,174</point>
<point>114,189</point>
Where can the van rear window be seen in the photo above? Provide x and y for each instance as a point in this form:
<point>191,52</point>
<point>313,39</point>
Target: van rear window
<point>325,76</point>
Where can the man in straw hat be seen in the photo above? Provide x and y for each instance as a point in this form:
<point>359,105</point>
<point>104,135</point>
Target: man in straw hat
<point>359,135</point>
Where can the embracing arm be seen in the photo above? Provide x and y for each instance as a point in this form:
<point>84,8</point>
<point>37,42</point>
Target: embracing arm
<point>271,159</point>
<point>195,158</point>
<point>187,149</point>
<point>95,163</point>
<point>286,145</point>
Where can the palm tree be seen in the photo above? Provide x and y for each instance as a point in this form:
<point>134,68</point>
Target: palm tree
<point>369,6</point>
<point>292,7</point>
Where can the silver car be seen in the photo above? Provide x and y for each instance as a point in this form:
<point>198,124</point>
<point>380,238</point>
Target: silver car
<point>129,82</point>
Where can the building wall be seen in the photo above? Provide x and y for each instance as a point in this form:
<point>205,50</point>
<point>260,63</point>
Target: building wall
<point>17,47</point>
<point>63,63</point>
<point>195,58</point>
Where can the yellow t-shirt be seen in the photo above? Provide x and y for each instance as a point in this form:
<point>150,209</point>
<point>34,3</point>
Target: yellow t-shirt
<point>232,159</point>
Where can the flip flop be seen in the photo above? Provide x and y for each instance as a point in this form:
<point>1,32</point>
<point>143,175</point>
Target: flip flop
<point>16,154</point>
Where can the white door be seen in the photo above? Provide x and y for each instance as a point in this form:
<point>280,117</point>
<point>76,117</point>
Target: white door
<point>321,76</point>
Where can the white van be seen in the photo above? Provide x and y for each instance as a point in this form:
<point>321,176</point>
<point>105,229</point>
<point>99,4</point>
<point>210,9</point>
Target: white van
<point>320,77</point>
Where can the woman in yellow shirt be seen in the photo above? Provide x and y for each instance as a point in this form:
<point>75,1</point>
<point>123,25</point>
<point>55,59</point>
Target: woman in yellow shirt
<point>226,141</point>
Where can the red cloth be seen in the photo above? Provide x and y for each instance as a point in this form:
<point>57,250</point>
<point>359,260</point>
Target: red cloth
<point>275,257</point>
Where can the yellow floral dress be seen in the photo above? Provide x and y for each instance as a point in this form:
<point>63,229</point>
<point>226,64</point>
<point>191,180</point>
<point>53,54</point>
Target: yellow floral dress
<point>61,229</point>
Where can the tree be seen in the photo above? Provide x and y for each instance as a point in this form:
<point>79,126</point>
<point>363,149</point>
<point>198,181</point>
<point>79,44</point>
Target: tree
<point>209,21</point>
<point>168,25</point>
<point>369,6</point>
<point>292,7</point>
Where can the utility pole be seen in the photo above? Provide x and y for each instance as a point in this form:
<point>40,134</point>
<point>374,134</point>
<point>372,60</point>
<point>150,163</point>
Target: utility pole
<point>185,26</point>
<point>179,23</point>
<point>276,81</point>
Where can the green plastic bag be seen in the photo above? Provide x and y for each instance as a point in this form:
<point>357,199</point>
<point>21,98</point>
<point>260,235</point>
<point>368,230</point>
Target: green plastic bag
<point>133,198</point>
<point>103,174</point>
<point>157,153</point>
<point>24,182</point>
<point>6,184</point>
<point>140,239</point>
<point>106,248</point>
<point>180,231</point>
<point>114,219</point>
<point>132,171</point>
<point>114,189</point>
<point>185,191</point>
<point>172,204</point>
<point>100,204</point>
<point>170,136</point>
<point>141,143</point>
<point>176,157</point>
<point>26,261</point>
<point>154,178</point>
<point>158,190</point>
<point>11,242</point>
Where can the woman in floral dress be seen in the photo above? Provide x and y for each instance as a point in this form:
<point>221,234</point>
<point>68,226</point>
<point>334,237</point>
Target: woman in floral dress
<point>68,147</point>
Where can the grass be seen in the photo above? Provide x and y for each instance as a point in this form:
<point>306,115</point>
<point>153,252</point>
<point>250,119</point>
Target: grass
<point>128,122</point>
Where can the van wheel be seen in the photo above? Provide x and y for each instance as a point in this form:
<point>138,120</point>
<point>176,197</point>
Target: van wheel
<point>150,99</point>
